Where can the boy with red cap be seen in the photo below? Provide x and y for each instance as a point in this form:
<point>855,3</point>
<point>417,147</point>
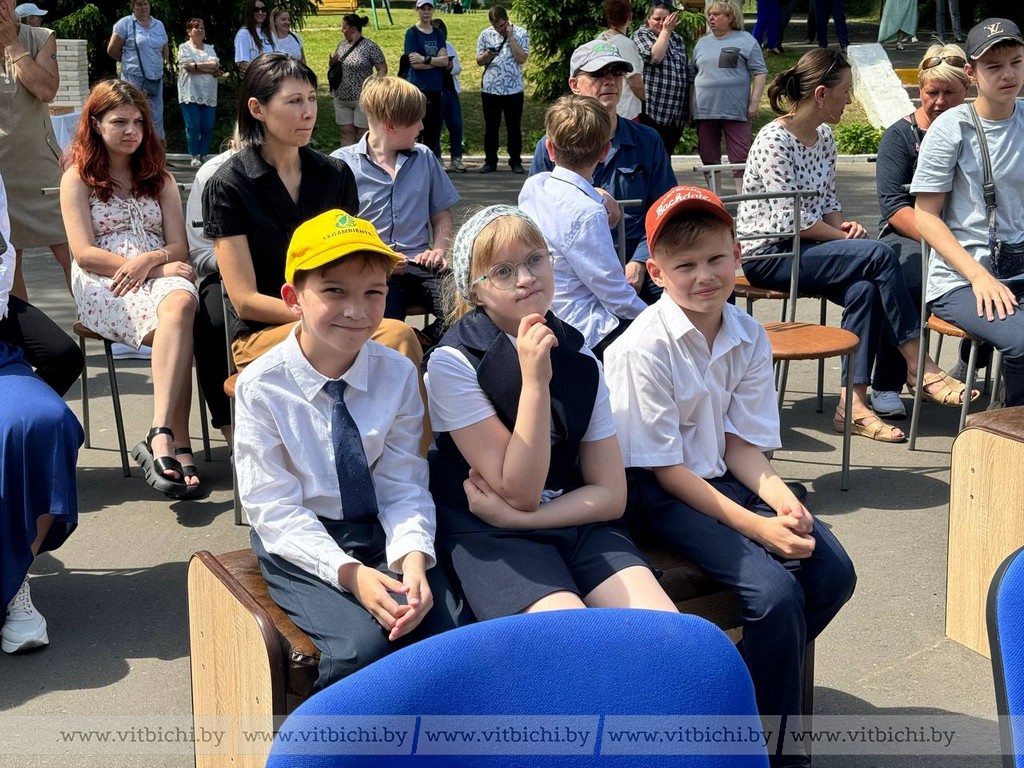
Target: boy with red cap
<point>694,402</point>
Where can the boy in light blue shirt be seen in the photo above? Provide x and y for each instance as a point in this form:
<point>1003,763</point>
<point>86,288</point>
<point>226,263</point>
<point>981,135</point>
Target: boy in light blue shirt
<point>591,291</point>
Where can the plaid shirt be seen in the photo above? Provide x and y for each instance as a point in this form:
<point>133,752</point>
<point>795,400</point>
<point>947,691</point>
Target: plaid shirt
<point>666,83</point>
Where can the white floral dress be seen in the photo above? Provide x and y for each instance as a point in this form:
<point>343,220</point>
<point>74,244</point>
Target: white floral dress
<point>127,227</point>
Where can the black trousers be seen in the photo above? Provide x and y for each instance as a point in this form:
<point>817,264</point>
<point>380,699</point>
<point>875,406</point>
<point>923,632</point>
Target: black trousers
<point>208,332</point>
<point>670,134</point>
<point>432,122</point>
<point>511,107</point>
<point>55,356</point>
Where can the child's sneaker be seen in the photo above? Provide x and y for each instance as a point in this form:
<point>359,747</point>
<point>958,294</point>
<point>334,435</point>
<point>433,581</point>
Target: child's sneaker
<point>25,627</point>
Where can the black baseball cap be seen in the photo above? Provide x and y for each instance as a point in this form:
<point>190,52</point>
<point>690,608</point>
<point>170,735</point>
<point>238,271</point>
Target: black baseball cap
<point>989,32</point>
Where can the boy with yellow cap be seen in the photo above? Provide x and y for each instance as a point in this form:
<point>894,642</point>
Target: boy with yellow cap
<point>328,426</point>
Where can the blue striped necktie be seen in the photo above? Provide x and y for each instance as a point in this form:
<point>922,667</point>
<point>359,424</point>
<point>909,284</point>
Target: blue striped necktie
<point>358,499</point>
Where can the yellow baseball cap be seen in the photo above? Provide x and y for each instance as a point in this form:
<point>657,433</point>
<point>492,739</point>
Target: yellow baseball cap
<point>331,236</point>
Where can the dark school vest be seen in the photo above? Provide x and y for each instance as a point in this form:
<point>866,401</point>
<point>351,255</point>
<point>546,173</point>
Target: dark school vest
<point>573,390</point>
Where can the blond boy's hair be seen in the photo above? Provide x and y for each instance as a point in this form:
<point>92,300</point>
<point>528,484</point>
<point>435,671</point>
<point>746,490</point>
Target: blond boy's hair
<point>578,129</point>
<point>392,101</point>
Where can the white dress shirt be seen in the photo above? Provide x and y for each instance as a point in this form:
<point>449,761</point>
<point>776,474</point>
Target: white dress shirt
<point>6,252</point>
<point>591,292</point>
<point>200,247</point>
<point>457,401</point>
<point>674,399</point>
<point>284,454</point>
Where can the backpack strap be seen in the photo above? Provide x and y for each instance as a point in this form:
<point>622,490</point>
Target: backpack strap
<point>988,186</point>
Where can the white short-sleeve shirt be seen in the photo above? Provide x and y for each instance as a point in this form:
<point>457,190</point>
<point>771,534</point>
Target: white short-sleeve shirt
<point>457,401</point>
<point>674,398</point>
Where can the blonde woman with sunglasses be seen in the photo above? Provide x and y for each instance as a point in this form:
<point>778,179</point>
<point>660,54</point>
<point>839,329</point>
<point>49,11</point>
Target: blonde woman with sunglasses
<point>943,85</point>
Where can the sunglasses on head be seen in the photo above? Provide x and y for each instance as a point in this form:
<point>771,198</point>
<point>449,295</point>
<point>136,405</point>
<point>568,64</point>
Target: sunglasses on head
<point>954,61</point>
<point>837,60</point>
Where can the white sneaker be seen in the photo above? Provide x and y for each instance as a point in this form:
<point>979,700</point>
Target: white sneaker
<point>124,352</point>
<point>196,162</point>
<point>25,627</point>
<point>888,404</point>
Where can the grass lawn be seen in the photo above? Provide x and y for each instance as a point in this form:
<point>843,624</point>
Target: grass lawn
<point>322,33</point>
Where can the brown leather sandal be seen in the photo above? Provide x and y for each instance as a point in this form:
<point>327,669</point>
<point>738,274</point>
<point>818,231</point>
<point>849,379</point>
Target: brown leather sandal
<point>950,394</point>
<point>867,424</point>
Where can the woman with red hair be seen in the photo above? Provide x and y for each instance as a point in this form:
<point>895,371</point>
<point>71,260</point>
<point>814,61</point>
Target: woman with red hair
<point>130,277</point>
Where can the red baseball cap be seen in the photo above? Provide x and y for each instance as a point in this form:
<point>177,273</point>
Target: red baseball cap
<point>680,200</point>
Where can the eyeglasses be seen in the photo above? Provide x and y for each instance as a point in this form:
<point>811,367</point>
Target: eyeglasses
<point>614,70</point>
<point>837,60</point>
<point>505,275</point>
<point>933,61</point>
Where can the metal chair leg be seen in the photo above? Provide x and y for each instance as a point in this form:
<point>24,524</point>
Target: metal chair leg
<point>995,367</point>
<point>844,480</point>
<point>85,394</point>
<point>783,378</point>
<point>204,422</point>
<point>115,395</point>
<point>972,375</point>
<point>821,360</point>
<point>915,413</point>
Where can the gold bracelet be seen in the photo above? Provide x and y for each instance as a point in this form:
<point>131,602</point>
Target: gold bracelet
<point>20,56</point>
<point>166,255</point>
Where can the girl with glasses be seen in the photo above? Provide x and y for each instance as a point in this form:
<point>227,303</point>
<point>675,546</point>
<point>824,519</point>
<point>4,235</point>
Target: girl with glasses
<point>254,37</point>
<point>837,260</point>
<point>526,476</point>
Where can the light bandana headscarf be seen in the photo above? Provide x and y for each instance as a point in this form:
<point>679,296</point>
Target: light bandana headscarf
<point>462,250</point>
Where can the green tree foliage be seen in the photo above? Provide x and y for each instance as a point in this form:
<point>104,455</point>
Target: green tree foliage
<point>94,22</point>
<point>557,29</point>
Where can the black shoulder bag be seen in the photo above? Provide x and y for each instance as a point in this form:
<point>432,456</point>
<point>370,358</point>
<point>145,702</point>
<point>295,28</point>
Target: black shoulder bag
<point>334,71</point>
<point>1007,258</point>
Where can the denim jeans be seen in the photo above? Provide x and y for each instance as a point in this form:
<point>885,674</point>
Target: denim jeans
<point>451,114</point>
<point>861,276</point>
<point>199,119</point>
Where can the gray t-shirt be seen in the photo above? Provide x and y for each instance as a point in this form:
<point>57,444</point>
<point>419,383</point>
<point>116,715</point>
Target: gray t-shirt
<point>950,162</point>
<point>724,67</point>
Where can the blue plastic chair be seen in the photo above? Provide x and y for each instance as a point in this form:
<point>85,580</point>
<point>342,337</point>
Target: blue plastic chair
<point>565,689</point>
<point>1005,612</point>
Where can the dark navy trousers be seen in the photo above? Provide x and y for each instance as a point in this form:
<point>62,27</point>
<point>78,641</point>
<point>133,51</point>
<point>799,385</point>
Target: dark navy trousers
<point>785,604</point>
<point>348,637</point>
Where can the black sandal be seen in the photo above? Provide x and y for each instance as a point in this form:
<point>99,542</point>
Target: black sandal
<point>154,468</point>
<point>189,470</point>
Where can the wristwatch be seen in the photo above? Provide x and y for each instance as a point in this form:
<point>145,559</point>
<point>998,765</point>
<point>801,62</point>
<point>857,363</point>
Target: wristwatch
<point>426,59</point>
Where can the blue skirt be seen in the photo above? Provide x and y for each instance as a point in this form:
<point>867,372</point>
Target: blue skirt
<point>39,441</point>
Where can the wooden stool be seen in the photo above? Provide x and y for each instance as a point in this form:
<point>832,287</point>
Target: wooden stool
<point>986,483</point>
